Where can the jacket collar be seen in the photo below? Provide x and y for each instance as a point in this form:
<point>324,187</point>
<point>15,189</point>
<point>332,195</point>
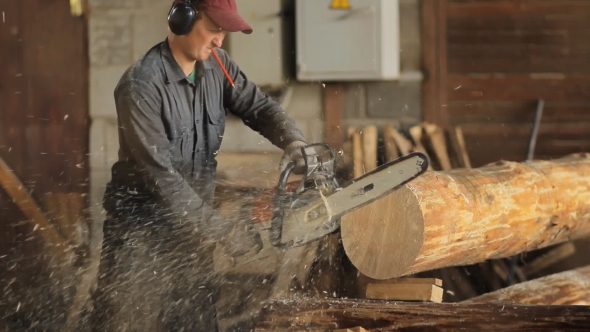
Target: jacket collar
<point>173,71</point>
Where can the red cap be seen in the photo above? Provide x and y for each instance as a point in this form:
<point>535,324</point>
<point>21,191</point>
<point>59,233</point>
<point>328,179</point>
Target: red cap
<point>224,13</point>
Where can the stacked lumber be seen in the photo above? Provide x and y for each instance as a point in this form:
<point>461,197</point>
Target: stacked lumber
<point>368,146</point>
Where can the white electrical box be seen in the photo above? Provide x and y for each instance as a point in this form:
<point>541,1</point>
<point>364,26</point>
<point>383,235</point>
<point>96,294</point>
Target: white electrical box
<point>259,54</point>
<point>345,40</point>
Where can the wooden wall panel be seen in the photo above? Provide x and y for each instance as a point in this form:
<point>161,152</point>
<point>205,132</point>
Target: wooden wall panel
<point>502,56</point>
<point>43,139</point>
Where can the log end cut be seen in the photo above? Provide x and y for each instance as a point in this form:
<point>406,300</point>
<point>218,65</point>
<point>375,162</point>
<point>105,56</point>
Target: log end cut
<point>372,241</point>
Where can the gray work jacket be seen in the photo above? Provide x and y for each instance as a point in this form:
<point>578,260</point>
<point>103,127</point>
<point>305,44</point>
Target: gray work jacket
<point>171,129</point>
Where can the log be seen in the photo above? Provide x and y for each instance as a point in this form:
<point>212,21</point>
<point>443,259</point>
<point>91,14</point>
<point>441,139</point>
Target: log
<point>465,216</point>
<point>564,288</point>
<point>374,315</point>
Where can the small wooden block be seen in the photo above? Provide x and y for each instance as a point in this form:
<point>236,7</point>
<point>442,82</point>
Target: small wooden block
<point>353,329</point>
<point>405,292</point>
<point>419,281</point>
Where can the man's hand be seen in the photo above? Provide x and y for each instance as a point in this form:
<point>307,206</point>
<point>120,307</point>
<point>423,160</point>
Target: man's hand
<point>242,240</point>
<point>293,154</point>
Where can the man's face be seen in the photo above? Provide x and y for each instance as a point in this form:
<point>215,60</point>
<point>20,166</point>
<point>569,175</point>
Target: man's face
<point>204,36</point>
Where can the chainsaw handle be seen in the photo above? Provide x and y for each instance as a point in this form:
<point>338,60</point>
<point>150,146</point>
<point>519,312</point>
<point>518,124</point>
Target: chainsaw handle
<point>278,200</point>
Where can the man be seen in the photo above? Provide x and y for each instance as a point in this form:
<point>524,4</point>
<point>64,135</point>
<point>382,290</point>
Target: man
<point>157,267</point>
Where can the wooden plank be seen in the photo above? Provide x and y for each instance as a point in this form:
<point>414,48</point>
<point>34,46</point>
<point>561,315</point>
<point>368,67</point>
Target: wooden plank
<point>570,129</point>
<point>529,80</point>
<point>405,292</point>
<point>516,94</point>
<point>555,255</point>
<point>416,132</point>
<point>514,21</point>
<point>532,65</point>
<point>391,150</point>
<point>495,37</point>
<point>363,281</point>
<point>458,144</point>
<point>373,315</point>
<point>405,145</point>
<point>521,8</point>
<point>473,49</point>
<point>334,114</point>
<point>508,112</point>
<point>437,139</point>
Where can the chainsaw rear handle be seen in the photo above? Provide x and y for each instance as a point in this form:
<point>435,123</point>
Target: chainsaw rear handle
<point>278,200</point>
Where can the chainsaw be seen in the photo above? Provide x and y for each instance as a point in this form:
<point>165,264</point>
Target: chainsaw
<point>313,210</point>
<point>297,213</point>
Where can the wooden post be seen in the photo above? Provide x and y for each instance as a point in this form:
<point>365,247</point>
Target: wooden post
<point>333,115</point>
<point>434,60</point>
<point>466,216</point>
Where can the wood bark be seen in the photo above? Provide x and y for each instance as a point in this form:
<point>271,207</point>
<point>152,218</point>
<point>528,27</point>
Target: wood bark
<point>333,314</point>
<point>465,216</point>
<point>564,288</point>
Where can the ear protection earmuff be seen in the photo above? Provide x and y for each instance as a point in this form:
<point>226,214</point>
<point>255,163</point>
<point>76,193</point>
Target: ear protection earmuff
<point>182,16</point>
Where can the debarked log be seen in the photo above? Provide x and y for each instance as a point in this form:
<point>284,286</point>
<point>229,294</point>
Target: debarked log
<point>564,288</point>
<point>465,216</point>
<point>332,314</point>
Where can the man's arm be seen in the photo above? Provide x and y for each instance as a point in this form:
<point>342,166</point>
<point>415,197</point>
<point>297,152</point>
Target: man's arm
<point>257,110</point>
<point>139,111</point>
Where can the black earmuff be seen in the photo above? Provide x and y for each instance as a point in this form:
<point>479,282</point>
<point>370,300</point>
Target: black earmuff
<point>182,16</point>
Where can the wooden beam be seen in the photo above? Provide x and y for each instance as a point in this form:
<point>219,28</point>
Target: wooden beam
<point>466,216</point>
<point>20,196</point>
<point>564,288</point>
<point>332,314</point>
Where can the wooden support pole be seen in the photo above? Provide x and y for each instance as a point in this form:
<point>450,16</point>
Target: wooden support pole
<point>333,314</point>
<point>564,288</point>
<point>466,216</point>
